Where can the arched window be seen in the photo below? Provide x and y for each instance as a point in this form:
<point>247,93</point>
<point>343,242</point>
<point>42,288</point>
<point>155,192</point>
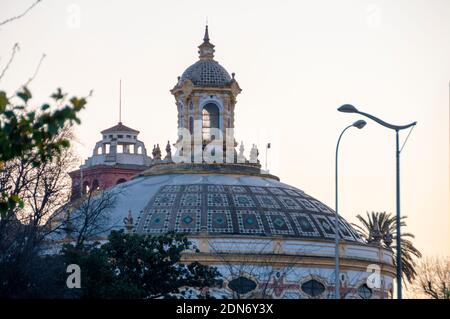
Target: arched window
<point>120,181</point>
<point>313,288</point>
<point>99,150</point>
<point>242,285</point>
<point>210,119</point>
<point>365,292</point>
<point>139,150</point>
<point>180,115</point>
<point>191,125</point>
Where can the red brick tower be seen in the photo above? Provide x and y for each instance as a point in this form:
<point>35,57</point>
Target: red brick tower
<point>115,159</point>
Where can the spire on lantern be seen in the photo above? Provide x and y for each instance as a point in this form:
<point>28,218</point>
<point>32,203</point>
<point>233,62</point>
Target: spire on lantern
<point>206,36</point>
<point>206,49</point>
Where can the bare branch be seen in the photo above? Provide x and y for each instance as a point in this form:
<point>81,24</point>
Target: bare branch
<point>90,216</point>
<point>36,71</point>
<point>11,58</point>
<point>20,15</point>
<point>433,279</point>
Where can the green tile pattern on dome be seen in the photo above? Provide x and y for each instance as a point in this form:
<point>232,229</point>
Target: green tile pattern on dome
<point>242,210</point>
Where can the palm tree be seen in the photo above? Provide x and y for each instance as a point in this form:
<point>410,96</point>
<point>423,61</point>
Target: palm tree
<point>381,227</point>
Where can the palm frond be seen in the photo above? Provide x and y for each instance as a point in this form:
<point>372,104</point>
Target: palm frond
<point>387,224</point>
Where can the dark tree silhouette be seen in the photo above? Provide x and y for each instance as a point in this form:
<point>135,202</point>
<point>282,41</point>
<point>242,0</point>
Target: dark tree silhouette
<point>132,266</point>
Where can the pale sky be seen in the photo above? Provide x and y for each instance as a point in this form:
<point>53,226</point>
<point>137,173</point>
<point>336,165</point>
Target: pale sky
<point>296,61</point>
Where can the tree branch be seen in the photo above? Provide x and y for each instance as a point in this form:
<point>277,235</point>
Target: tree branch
<point>14,51</point>
<point>20,15</point>
<point>36,71</point>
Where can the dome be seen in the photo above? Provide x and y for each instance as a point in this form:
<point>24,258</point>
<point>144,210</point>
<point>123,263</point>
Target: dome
<point>207,73</point>
<point>218,200</point>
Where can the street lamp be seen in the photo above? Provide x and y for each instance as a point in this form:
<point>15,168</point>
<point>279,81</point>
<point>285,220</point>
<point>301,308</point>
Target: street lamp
<point>348,108</point>
<point>359,124</point>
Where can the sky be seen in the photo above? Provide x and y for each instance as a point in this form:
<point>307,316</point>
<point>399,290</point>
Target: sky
<point>296,62</point>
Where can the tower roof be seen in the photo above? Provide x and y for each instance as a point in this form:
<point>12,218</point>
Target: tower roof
<point>120,128</point>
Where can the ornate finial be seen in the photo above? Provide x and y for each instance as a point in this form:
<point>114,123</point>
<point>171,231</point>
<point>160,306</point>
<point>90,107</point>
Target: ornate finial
<point>206,36</point>
<point>241,157</point>
<point>157,153</point>
<point>168,152</point>
<point>254,154</point>
<point>129,223</point>
<point>206,49</point>
<point>232,75</point>
<point>154,151</point>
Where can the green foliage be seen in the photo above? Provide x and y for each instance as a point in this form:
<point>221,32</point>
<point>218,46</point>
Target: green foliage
<point>29,134</point>
<point>138,267</point>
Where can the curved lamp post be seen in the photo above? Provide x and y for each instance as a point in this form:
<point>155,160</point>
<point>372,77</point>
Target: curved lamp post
<point>359,124</point>
<point>348,108</point>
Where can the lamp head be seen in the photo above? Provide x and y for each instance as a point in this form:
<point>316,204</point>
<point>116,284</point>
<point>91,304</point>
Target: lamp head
<point>359,124</point>
<point>347,108</point>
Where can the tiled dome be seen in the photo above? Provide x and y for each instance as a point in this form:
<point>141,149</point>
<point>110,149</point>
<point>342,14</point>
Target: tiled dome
<point>207,73</point>
<point>222,199</point>
<point>248,206</point>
